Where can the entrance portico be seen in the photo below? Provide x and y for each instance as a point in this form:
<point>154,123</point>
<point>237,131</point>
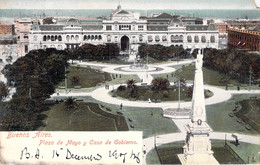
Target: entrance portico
<point>125,44</point>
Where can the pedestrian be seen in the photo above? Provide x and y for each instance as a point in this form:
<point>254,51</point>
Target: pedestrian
<point>238,88</point>
<point>226,87</point>
<point>144,150</point>
<point>121,106</point>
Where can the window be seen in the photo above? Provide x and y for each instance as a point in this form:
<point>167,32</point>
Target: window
<point>60,38</point>
<point>172,38</point>
<point>108,38</point>
<point>108,27</point>
<point>26,48</point>
<point>196,39</point>
<point>212,39</point>
<point>181,38</point>
<point>164,38</point>
<point>150,38</point>
<point>189,39</point>
<point>203,39</point>
<point>157,38</point>
<point>140,27</point>
<point>44,38</point>
<point>76,37</point>
<point>52,38</point>
<point>140,38</point>
<point>25,37</point>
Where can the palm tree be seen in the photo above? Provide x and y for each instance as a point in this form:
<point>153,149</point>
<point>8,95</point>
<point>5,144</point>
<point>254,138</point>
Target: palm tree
<point>131,84</point>
<point>70,103</point>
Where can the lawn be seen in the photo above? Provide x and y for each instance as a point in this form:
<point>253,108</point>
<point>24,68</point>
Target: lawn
<point>219,119</point>
<point>250,113</point>
<point>148,120</point>
<point>168,153</point>
<point>145,93</point>
<point>187,72</point>
<point>87,77</point>
<point>87,117</point>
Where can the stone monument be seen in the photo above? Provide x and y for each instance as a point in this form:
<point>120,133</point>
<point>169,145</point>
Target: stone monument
<point>197,148</point>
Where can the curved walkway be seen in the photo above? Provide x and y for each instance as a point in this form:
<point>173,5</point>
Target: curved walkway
<point>220,95</point>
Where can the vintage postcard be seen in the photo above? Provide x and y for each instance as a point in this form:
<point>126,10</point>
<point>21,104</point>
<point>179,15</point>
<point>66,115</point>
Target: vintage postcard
<point>129,82</point>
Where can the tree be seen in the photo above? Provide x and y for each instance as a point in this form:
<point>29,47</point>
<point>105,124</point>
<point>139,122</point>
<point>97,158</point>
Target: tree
<point>121,88</point>
<point>160,84</point>
<point>70,103</point>
<point>3,91</point>
<point>75,80</point>
<point>131,84</point>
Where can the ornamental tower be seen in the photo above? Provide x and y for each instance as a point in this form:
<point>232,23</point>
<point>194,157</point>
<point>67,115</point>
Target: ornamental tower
<point>197,148</point>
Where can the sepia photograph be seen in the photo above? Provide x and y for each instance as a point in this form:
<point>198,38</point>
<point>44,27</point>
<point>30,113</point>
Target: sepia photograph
<point>130,82</point>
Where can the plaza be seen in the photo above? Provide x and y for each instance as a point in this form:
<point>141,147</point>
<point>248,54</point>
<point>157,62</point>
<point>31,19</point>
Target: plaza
<point>102,96</point>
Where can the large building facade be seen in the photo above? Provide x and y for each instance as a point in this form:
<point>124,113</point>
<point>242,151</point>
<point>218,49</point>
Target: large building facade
<point>246,39</point>
<point>127,29</point>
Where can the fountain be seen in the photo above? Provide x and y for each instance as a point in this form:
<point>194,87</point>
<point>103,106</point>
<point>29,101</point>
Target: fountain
<point>138,65</point>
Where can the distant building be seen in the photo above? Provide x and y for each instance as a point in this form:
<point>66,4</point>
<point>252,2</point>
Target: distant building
<point>127,29</point>
<point>247,39</point>
<point>222,27</point>
<point>6,29</point>
<point>22,29</point>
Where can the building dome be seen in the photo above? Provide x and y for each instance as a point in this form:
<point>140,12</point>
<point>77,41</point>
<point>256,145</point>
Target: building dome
<point>176,22</point>
<point>73,22</point>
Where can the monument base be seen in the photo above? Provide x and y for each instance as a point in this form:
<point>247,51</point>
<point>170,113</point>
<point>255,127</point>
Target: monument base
<point>198,159</point>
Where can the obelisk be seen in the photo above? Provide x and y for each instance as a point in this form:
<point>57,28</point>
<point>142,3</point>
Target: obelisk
<point>197,148</point>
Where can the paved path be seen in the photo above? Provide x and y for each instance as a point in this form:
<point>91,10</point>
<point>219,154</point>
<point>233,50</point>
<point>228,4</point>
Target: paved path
<point>220,95</point>
<point>103,95</point>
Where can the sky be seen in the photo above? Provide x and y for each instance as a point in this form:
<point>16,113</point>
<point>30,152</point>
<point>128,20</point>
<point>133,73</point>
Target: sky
<point>128,4</point>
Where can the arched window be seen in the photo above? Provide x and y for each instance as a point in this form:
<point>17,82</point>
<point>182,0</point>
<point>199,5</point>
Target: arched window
<point>56,37</point>
<point>100,37</point>
<point>196,39</point>
<point>164,38</point>
<point>67,37</point>
<point>88,37</point>
<point>60,38</point>
<point>52,38</point>
<point>212,39</point>
<point>172,38</point>
<point>140,38</point>
<point>96,37</point>
<point>150,38</point>
<point>92,37</point>
<point>157,38</point>
<point>181,38</point>
<point>44,38</point>
<point>72,37</point>
<point>108,38</point>
<point>48,38</point>
<point>189,39</point>
<point>203,39</point>
<point>76,37</point>
<point>85,37</point>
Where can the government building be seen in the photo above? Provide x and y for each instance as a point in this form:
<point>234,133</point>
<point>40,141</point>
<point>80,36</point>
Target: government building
<point>127,29</point>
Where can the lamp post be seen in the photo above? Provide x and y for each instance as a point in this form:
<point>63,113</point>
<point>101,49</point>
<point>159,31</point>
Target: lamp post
<point>250,77</point>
